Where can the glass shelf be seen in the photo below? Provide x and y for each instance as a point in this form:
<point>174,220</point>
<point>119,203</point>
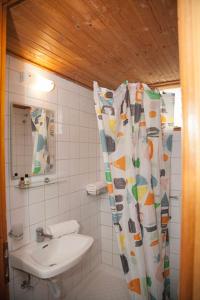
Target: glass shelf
<point>39,184</point>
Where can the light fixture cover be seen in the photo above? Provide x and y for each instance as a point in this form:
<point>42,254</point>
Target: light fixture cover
<point>37,82</point>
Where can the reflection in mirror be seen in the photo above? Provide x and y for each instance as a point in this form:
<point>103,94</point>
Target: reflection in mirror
<point>32,141</point>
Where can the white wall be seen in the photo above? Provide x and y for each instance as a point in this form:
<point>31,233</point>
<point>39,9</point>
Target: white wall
<point>108,237</point>
<point>77,163</point>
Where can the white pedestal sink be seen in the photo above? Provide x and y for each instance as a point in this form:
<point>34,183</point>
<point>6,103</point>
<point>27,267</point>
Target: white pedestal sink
<point>51,258</point>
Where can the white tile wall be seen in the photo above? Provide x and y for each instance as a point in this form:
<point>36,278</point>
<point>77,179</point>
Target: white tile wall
<point>77,162</point>
<point>174,229</point>
<point>110,254</point>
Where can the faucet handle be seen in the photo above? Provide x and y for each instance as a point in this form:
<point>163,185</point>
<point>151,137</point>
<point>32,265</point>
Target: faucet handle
<point>39,230</point>
<point>39,234</point>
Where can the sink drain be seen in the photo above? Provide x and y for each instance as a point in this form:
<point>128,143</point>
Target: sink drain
<point>51,265</point>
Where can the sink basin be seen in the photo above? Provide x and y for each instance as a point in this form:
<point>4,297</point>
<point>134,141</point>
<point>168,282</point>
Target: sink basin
<point>51,258</point>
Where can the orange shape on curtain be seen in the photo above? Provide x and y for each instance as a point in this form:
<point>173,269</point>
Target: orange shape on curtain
<point>152,114</point>
<point>132,253</point>
<point>123,116</point>
<point>139,94</point>
<point>165,219</point>
<point>150,199</point>
<point>142,124</point>
<point>134,285</point>
<point>150,144</point>
<point>137,237</point>
<point>120,163</point>
<point>119,134</point>
<point>110,188</point>
<point>154,243</point>
<point>166,273</point>
<point>165,157</point>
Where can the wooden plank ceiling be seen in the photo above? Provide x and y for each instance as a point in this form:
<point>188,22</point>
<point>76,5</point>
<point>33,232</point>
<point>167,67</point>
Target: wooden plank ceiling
<point>104,40</point>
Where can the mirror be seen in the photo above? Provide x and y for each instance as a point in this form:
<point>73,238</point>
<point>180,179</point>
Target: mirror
<point>32,141</point>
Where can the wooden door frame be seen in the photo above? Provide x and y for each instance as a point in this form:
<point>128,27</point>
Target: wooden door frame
<point>3,224</point>
<point>189,53</point>
<point>4,5</point>
<point>189,56</point>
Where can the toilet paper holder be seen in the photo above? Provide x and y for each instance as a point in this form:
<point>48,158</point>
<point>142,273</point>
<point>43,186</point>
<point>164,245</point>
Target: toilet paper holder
<point>16,232</point>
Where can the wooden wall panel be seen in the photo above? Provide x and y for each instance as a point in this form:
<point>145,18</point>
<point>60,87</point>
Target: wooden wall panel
<point>104,40</point>
<point>3,231</point>
<point>189,48</point>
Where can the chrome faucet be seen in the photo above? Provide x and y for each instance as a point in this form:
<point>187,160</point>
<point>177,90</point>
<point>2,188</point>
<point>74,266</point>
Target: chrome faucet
<point>40,235</point>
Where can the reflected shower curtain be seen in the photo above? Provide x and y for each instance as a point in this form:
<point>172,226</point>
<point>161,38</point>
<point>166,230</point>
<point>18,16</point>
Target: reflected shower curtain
<point>136,130</point>
<point>39,132</point>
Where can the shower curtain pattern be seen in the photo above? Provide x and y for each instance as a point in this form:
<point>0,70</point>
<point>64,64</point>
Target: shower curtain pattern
<point>135,127</point>
<point>39,131</point>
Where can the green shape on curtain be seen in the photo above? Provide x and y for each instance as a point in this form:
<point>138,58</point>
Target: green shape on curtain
<point>135,192</point>
<point>153,95</point>
<point>166,262</point>
<point>37,167</point>
<point>149,281</point>
<point>108,176</point>
<point>156,205</point>
<point>136,163</point>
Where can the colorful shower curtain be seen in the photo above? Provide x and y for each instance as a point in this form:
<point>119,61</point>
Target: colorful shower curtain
<point>136,130</point>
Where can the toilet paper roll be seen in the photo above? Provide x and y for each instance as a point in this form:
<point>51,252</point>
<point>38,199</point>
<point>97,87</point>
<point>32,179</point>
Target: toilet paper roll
<point>57,230</point>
